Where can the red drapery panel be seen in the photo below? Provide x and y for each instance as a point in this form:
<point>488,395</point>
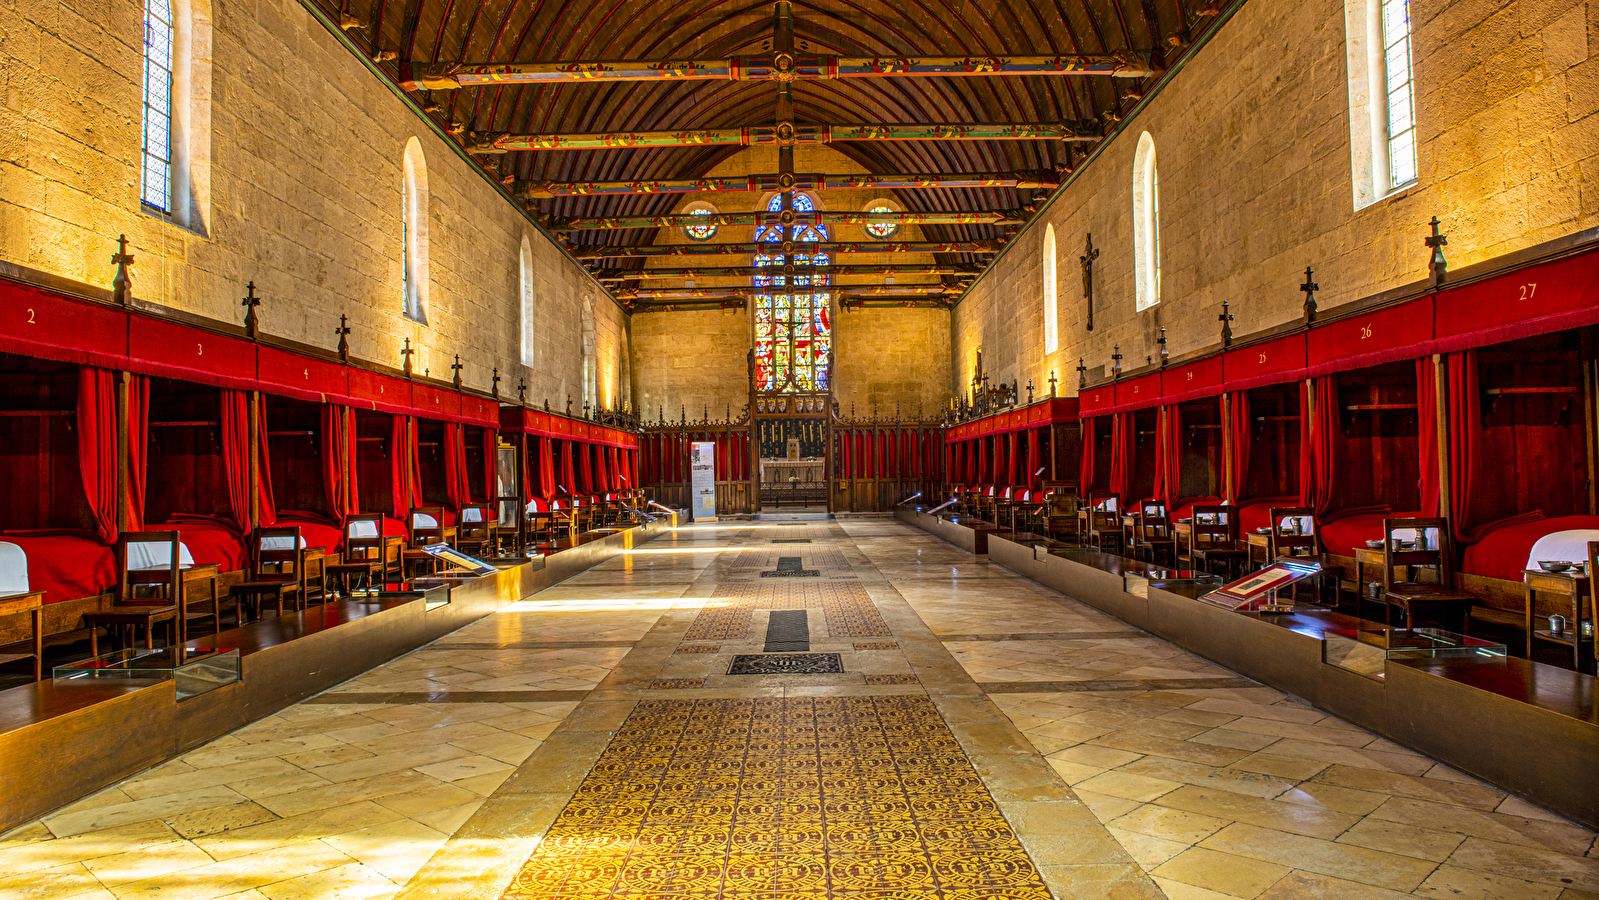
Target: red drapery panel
<point>568,483</point>
<point>235,426</point>
<point>1121,457</point>
<point>1241,426</point>
<point>585,468</point>
<point>1427,426</point>
<point>455,481</point>
<point>403,472</point>
<point>1307,447</point>
<point>1325,428</point>
<point>269,504</point>
<point>1034,477</point>
<point>546,466</point>
<point>97,446</point>
<point>491,447</point>
<point>1169,456</point>
<point>138,448</point>
<point>1465,417</point>
<point>1086,471</point>
<point>337,475</point>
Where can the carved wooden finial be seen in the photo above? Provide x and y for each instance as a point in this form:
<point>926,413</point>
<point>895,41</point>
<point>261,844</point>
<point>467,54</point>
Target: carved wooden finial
<point>1164,354</point>
<point>1116,362</point>
<point>1052,382</point>
<point>343,331</point>
<point>1226,319</point>
<point>1437,266</point>
<point>1310,287</point>
<point>494,381</point>
<point>457,367</point>
<point>250,302</point>
<point>406,353</point>
<point>1082,373</point>
<point>521,392</point>
<point>121,284</point>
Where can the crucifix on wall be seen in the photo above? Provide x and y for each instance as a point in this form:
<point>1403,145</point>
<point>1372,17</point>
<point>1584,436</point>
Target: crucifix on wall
<point>1087,262</point>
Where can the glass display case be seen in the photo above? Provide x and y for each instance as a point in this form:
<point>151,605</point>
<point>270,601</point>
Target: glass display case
<point>192,671</point>
<point>433,590</point>
<point>1366,650</point>
<point>1263,591</point>
<point>1138,584</point>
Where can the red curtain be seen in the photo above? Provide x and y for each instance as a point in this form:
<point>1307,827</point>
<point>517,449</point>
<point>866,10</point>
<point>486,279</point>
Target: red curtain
<point>138,448</point>
<point>491,469</point>
<point>1169,456</point>
<point>405,477</point>
<point>235,426</point>
<point>269,505</point>
<point>568,482</point>
<point>1465,438</point>
<point>335,449</point>
<point>1427,426</point>
<point>585,468</point>
<point>1326,426</point>
<point>455,480</point>
<point>1241,428</point>
<point>97,446</point>
<point>1307,447</point>
<point>617,456</point>
<point>1121,457</point>
<point>1090,444</point>
<point>1035,478</point>
<point>546,467</point>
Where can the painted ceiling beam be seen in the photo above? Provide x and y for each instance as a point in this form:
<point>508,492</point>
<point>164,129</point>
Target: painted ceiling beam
<point>853,303</point>
<point>722,293</point>
<point>818,271</point>
<point>785,134</point>
<point>810,247</point>
<point>799,220</point>
<point>732,303</point>
<point>544,190</point>
<point>781,67</point>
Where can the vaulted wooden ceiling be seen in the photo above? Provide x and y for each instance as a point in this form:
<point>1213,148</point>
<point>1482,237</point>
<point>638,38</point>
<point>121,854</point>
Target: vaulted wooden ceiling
<point>395,32</point>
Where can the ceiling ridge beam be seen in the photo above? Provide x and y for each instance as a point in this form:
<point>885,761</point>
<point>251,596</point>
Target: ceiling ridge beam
<point>543,190</point>
<point>748,248</point>
<point>786,134</point>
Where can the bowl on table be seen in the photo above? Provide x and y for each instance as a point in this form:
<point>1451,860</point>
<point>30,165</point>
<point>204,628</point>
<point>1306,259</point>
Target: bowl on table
<point>1554,565</point>
<point>1263,530</point>
<point>1374,545</point>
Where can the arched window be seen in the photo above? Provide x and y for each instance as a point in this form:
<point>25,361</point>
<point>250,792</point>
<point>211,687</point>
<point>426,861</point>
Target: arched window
<point>1051,312</point>
<point>793,331</point>
<point>1146,223</point>
<point>414,233</point>
<point>881,230</point>
<point>591,374</point>
<point>525,291</point>
<point>174,159</point>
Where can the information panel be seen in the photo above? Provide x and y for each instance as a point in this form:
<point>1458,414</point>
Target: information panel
<point>702,463</point>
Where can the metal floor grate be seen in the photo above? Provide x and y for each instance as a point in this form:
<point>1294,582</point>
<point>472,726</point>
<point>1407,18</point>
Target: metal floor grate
<point>787,631</point>
<point>791,567</point>
<point>791,540</point>
<point>788,664</point>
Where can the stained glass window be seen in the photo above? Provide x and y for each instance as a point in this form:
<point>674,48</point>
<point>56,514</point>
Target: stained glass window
<point>882,231</point>
<point>793,331</point>
<point>699,232</point>
<point>157,157</point>
<point>1401,93</point>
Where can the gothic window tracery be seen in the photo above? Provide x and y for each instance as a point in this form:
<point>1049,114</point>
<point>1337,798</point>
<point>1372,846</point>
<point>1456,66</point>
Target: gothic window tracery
<point>793,331</point>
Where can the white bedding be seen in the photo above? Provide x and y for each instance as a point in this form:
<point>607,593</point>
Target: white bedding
<point>364,528</point>
<point>1571,546</point>
<point>13,569</point>
<point>279,543</point>
<point>152,555</point>
<point>423,520</point>
<point>471,514</point>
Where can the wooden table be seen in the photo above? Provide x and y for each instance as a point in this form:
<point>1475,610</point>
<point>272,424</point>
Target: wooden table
<point>31,603</point>
<point>1573,586</point>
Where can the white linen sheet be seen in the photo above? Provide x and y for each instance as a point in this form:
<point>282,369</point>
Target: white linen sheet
<point>13,569</point>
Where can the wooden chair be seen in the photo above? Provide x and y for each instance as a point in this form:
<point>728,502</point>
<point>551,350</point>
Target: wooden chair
<point>1104,521</point>
<point>541,527</point>
<point>1214,539</point>
<point>362,557</point>
<point>274,550</point>
<point>475,528</point>
<point>1287,538</point>
<point>1428,550</point>
<point>1152,534</point>
<point>1060,514</point>
<point>420,534</point>
<point>154,560</point>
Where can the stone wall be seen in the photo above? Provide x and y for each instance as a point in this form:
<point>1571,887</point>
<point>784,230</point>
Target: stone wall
<point>1253,150</point>
<point>699,359</point>
<point>298,188</point>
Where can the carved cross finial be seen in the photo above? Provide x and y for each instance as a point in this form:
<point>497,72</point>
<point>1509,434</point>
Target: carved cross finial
<point>1164,354</point>
<point>521,393</point>
<point>343,331</point>
<point>1116,362</point>
<point>1052,382</point>
<point>250,302</point>
<point>1082,372</point>
<point>457,367</point>
<point>1087,263</point>
<point>121,283</point>
<point>569,404</point>
<point>1226,319</point>
<point>1437,266</point>
<point>494,382</point>
<point>1029,390</point>
<point>1310,287</point>
<point>406,352</point>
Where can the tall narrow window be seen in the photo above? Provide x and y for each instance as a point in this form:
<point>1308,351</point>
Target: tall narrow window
<point>414,233</point>
<point>525,291</point>
<point>1051,312</point>
<point>158,66</point>
<point>591,375</point>
<point>793,329</point>
<point>1401,106</point>
<point>1146,223</point>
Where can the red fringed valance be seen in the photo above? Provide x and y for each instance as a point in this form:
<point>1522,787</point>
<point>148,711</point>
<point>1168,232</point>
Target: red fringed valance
<point>1371,339</point>
<point>1201,378</point>
<point>1271,362</point>
<point>1538,300</point>
<point>170,350</point>
<point>292,375</point>
<point>38,323</point>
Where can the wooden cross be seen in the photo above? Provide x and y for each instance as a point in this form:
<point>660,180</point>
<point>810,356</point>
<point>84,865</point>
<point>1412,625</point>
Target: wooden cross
<point>1310,288</point>
<point>1162,342</point>
<point>406,353</point>
<point>1082,373</point>
<point>521,393</point>
<point>1116,362</point>
<point>457,367</point>
<point>343,331</point>
<point>1226,319</point>
<point>1029,390</point>
<point>121,284</point>
<point>494,389</point>
<point>1052,382</point>
<point>1437,267</point>
<point>1087,262</point>
<point>250,302</point>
